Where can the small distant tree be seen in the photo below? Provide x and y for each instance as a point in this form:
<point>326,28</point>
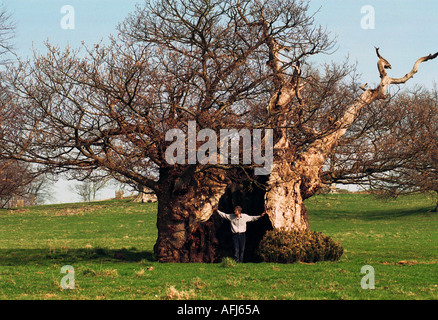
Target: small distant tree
<point>40,191</point>
<point>15,178</point>
<point>88,188</point>
<point>83,190</point>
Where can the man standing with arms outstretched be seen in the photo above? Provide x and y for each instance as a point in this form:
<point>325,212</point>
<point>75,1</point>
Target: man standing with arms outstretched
<point>238,228</point>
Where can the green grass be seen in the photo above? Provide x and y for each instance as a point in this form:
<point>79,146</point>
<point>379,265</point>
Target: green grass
<point>398,238</point>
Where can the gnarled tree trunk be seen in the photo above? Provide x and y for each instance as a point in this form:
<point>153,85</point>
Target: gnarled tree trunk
<point>186,201</point>
<point>283,200</point>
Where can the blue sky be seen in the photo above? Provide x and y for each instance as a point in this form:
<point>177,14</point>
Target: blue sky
<point>404,30</point>
<point>39,20</point>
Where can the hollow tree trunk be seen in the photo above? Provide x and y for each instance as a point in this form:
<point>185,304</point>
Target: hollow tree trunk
<point>284,201</point>
<point>186,201</point>
<point>285,204</point>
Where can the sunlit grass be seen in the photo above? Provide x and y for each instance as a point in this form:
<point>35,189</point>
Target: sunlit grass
<point>110,246</point>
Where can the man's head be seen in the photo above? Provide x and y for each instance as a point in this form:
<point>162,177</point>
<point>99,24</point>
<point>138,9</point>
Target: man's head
<point>238,211</point>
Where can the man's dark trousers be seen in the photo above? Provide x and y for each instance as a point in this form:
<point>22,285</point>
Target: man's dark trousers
<point>239,246</point>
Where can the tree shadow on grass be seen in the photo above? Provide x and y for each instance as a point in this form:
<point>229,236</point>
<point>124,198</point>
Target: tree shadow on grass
<point>396,213</point>
<point>373,214</point>
<point>43,256</point>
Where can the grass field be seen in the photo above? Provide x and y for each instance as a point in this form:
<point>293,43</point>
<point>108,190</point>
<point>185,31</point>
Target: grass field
<point>109,244</point>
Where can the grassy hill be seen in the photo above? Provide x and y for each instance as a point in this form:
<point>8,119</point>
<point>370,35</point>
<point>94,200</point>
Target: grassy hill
<point>110,246</point>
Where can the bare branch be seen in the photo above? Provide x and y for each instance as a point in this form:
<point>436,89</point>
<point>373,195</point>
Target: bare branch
<point>382,64</point>
<point>414,69</point>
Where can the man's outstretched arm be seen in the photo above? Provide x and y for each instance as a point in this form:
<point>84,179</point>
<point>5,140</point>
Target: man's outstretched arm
<point>255,218</point>
<point>224,215</point>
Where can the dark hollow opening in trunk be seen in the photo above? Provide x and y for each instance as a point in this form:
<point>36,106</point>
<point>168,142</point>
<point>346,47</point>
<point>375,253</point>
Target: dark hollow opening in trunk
<point>250,196</point>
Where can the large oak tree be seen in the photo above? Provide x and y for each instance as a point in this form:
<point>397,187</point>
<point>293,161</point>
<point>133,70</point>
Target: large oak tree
<point>225,64</point>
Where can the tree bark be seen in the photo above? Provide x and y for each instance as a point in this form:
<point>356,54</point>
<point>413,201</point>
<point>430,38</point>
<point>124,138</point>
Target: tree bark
<point>283,200</point>
<point>186,201</point>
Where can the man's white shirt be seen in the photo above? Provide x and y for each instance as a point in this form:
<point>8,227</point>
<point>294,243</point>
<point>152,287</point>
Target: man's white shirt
<point>238,225</point>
